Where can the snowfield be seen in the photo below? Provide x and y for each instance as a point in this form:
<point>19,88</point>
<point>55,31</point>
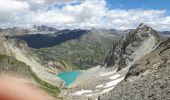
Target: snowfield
<point>112,83</point>
<point>82,92</point>
<point>114,77</point>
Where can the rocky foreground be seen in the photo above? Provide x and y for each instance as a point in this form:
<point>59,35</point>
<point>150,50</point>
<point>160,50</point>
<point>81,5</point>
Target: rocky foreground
<point>147,79</point>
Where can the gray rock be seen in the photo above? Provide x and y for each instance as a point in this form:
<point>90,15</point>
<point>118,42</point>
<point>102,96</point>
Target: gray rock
<point>129,48</point>
<point>147,79</point>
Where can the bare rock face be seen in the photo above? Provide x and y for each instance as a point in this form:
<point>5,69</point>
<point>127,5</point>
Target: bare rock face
<point>147,79</point>
<point>131,47</point>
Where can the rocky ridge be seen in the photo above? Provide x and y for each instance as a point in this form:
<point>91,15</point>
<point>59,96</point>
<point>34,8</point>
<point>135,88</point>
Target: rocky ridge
<point>147,79</point>
<point>132,47</point>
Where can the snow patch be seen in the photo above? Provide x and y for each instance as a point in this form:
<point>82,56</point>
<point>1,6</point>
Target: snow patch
<point>82,92</point>
<point>112,83</point>
<point>99,86</point>
<point>114,77</point>
<point>107,90</point>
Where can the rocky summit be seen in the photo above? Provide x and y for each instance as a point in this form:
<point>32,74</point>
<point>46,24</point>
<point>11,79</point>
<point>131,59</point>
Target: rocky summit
<point>132,47</point>
<point>147,79</point>
<point>148,76</point>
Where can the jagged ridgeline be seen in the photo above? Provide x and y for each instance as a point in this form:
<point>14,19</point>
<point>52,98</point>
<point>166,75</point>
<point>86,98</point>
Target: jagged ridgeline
<point>148,77</point>
<point>132,47</point>
<point>11,66</point>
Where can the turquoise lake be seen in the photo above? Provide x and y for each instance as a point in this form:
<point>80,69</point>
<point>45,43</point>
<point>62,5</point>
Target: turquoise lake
<point>69,77</point>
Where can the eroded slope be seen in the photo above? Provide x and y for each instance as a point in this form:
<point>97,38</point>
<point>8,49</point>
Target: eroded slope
<point>147,79</point>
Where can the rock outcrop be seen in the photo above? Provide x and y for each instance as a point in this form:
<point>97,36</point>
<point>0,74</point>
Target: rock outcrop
<point>132,47</point>
<point>147,79</point>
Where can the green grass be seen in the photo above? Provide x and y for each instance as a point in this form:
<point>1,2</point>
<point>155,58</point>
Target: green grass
<point>11,65</point>
<point>51,89</point>
<point>85,52</point>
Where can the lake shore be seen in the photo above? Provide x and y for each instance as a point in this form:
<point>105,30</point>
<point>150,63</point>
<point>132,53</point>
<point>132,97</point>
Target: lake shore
<point>93,82</point>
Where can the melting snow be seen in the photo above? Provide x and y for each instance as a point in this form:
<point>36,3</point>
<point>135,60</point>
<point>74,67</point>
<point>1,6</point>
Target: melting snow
<point>114,77</point>
<point>106,90</point>
<point>99,86</point>
<point>82,92</point>
<point>112,83</point>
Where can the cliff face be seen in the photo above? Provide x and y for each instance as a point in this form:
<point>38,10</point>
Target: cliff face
<point>132,47</point>
<point>147,79</point>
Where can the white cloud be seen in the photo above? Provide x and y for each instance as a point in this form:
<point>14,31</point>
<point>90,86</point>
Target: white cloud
<point>83,15</point>
<point>12,5</point>
<point>62,0</point>
<point>124,19</point>
<point>90,13</point>
<point>11,9</point>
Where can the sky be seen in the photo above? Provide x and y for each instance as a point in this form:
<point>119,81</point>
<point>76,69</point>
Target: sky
<point>143,4</point>
<point>74,14</point>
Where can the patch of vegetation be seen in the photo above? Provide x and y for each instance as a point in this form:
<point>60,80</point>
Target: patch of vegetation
<point>11,65</point>
<point>67,65</point>
<point>85,52</point>
<point>51,89</point>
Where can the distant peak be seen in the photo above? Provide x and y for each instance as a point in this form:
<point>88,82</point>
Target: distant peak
<point>144,26</point>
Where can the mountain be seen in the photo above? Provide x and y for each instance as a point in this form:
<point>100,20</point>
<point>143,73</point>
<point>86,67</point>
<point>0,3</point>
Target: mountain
<point>50,40</point>
<point>16,59</point>
<point>87,47</point>
<point>22,31</point>
<point>165,33</point>
<point>60,36</point>
<point>44,28</point>
<point>147,79</point>
<point>85,51</point>
<point>14,31</point>
<point>148,76</point>
<point>132,47</point>
<point>126,69</point>
<point>81,48</point>
<point>139,57</point>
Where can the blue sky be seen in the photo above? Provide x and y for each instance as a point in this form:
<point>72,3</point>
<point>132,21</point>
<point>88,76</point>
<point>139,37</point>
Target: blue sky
<point>133,4</point>
<point>63,14</point>
<point>142,4</point>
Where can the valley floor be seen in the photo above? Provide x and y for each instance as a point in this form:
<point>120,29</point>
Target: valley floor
<point>93,83</point>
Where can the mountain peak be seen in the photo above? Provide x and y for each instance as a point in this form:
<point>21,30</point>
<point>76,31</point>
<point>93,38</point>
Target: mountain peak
<point>144,26</point>
<point>131,47</point>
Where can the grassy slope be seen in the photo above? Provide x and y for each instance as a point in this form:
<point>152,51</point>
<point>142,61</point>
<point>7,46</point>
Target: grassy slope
<point>85,52</point>
<point>12,66</point>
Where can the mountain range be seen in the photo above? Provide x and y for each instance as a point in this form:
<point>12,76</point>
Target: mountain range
<point>130,65</point>
<point>148,77</point>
